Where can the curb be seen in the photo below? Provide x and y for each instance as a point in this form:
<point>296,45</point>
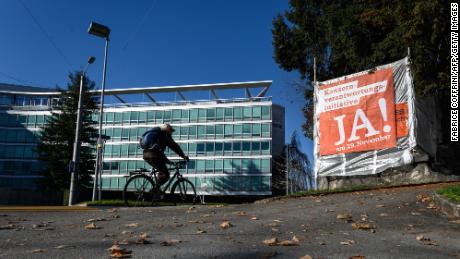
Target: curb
<point>45,209</point>
<point>450,208</point>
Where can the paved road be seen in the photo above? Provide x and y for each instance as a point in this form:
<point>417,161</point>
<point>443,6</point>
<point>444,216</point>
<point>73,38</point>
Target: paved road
<point>399,223</point>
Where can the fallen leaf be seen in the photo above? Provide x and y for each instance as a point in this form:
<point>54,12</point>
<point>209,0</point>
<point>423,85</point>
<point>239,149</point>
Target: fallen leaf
<point>206,215</point>
<point>240,213</point>
<point>142,241</point>
<point>268,255</point>
<point>345,216</point>
<point>254,218</point>
<point>421,238</point>
<point>170,242</point>
<point>273,224</point>
<point>109,235</point>
<point>306,257</point>
<point>118,252</point>
<point>430,243</point>
<point>415,213</point>
<point>132,225</point>
<point>358,257</point>
<point>322,243</point>
<point>226,224</point>
<point>64,246</point>
<point>270,241</point>
<point>126,232</point>
<point>200,231</point>
<point>383,214</point>
<point>348,242</point>
<point>143,235</point>
<point>92,226</point>
<point>410,227</point>
<point>275,230</point>
<point>38,251</point>
<point>8,226</point>
<point>287,243</point>
<point>364,226</point>
<point>379,205</point>
<point>195,221</point>
<point>277,220</point>
<point>364,217</point>
<point>295,239</point>
<point>96,219</point>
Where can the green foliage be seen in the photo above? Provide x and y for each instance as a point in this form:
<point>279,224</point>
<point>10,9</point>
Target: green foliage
<point>351,36</point>
<point>451,192</point>
<point>58,136</point>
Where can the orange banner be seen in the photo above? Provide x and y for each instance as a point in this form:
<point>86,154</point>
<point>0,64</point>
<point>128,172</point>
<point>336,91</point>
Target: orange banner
<point>358,114</point>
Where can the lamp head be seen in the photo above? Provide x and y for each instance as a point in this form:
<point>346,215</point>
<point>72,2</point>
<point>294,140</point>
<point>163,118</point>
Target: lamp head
<point>99,30</point>
<point>91,60</point>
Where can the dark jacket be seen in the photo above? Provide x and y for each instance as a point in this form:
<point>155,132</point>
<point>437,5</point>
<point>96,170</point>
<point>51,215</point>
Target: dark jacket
<point>166,140</point>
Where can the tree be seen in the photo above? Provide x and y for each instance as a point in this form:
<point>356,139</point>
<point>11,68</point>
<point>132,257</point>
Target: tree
<point>351,36</point>
<point>58,135</point>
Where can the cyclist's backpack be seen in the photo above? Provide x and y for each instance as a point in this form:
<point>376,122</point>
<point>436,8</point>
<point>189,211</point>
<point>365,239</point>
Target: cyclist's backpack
<point>150,138</point>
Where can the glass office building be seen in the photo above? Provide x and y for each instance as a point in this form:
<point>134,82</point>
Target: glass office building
<point>230,142</point>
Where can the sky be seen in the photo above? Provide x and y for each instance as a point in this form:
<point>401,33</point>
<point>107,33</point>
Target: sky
<point>152,43</point>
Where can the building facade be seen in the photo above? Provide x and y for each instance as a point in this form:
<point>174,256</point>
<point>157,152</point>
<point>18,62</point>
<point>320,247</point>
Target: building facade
<point>230,142</point>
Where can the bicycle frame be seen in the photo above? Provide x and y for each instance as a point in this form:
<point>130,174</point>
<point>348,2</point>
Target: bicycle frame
<point>164,187</point>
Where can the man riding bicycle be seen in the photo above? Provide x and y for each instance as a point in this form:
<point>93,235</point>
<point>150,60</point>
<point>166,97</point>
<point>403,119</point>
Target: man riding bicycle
<point>154,143</point>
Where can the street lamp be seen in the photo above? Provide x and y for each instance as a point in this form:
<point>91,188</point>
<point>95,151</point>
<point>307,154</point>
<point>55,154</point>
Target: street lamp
<point>77,144</point>
<point>102,31</point>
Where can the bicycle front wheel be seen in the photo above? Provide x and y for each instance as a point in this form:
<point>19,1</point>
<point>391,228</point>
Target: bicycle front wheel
<point>183,191</point>
<point>138,191</point>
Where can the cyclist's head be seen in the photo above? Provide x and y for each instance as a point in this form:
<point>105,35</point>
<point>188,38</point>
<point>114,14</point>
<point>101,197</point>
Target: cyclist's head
<point>168,128</point>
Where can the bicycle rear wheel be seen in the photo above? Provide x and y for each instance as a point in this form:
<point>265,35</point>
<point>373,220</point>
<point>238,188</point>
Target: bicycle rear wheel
<point>183,191</point>
<point>138,191</point>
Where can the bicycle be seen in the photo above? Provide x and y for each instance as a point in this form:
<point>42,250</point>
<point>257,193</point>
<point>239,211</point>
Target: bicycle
<point>141,182</point>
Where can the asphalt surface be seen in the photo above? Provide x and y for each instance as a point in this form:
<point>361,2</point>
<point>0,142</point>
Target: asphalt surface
<point>398,223</point>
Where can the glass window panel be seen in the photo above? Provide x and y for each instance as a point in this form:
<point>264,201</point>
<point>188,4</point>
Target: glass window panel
<point>265,112</point>
<point>201,114</point>
<point>132,150</point>
<point>210,130</point>
<point>228,147</point>
<point>247,129</point>
<point>176,115</point>
<point>191,165</point>
<point>107,150</point>
<point>219,114</point>
<point>257,112</point>
<point>158,117</point>
<point>228,166</point>
<point>192,132</point>
<point>134,117</point>
<point>247,113</point>
<point>209,166</point>
<point>200,165</point>
<point>117,118</point>
<point>184,131</point>
<point>211,114</point>
<point>237,130</point>
<point>31,119</point>
<point>236,163</point>
<point>126,117</point>
<point>265,147</point>
<point>218,147</point>
<point>167,116</point>
<point>116,151</point>
<point>209,148</point>
<point>150,116</point>
<point>265,165</point>
<point>237,113</point>
<point>200,148</point>
<point>131,165</point>
<point>192,148</point>
<point>109,117</point>
<point>246,165</point>
<point>124,150</point>
<point>218,165</point>
<point>219,130</point>
<point>255,147</point>
<point>246,146</point>
<point>193,115</point>
<point>125,134</point>
<point>142,117</point>
<point>123,166</point>
<point>265,130</point>
<point>184,115</point>
<point>11,136</point>
<point>228,130</point>
<point>22,119</point>
<point>228,114</point>
<point>236,146</point>
<point>256,129</point>
<point>201,131</point>
<point>40,119</point>
<point>133,134</point>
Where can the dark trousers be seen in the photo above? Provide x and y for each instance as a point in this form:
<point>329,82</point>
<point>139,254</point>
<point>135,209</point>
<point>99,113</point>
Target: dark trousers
<point>157,159</point>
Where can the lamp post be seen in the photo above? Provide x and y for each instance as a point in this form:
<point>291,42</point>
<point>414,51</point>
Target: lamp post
<point>77,144</point>
<point>101,31</point>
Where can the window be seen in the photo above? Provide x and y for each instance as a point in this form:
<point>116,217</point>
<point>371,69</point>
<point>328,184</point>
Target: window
<point>151,116</point>
<point>117,118</point>
<point>238,113</point>
<point>247,129</point>
<point>201,114</point>
<point>228,147</point>
<point>117,133</point>
<point>256,129</point>
<point>184,115</point>
<point>124,150</point>
<point>246,147</point>
<point>265,165</point>
<point>236,147</point>
<point>40,119</point>
<point>109,117</point>
<point>238,130</point>
<point>265,147</point>
<point>142,117</point>
<point>116,151</point>
<point>192,132</point>
<point>200,165</point>
<point>126,116</point>
<point>125,134</point>
<point>218,165</point>
<point>211,114</point>
<point>219,131</point>
<point>107,150</point>
<point>200,148</point>
<point>31,120</point>
<point>184,132</point>
<point>134,117</point>
<point>265,112</point>
<point>218,147</point>
<point>228,166</point>
<point>176,115</point>
<point>209,148</point>
<point>193,115</point>
<point>247,113</point>
<point>166,117</point>
<point>132,150</point>
<point>219,114</point>
<point>158,117</point>
<point>228,114</point>
<point>256,112</point>
<point>133,134</point>
<point>265,130</point>
<point>201,131</point>
<point>209,166</point>
<point>228,130</point>
<point>210,131</point>
<point>255,147</point>
<point>192,148</point>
